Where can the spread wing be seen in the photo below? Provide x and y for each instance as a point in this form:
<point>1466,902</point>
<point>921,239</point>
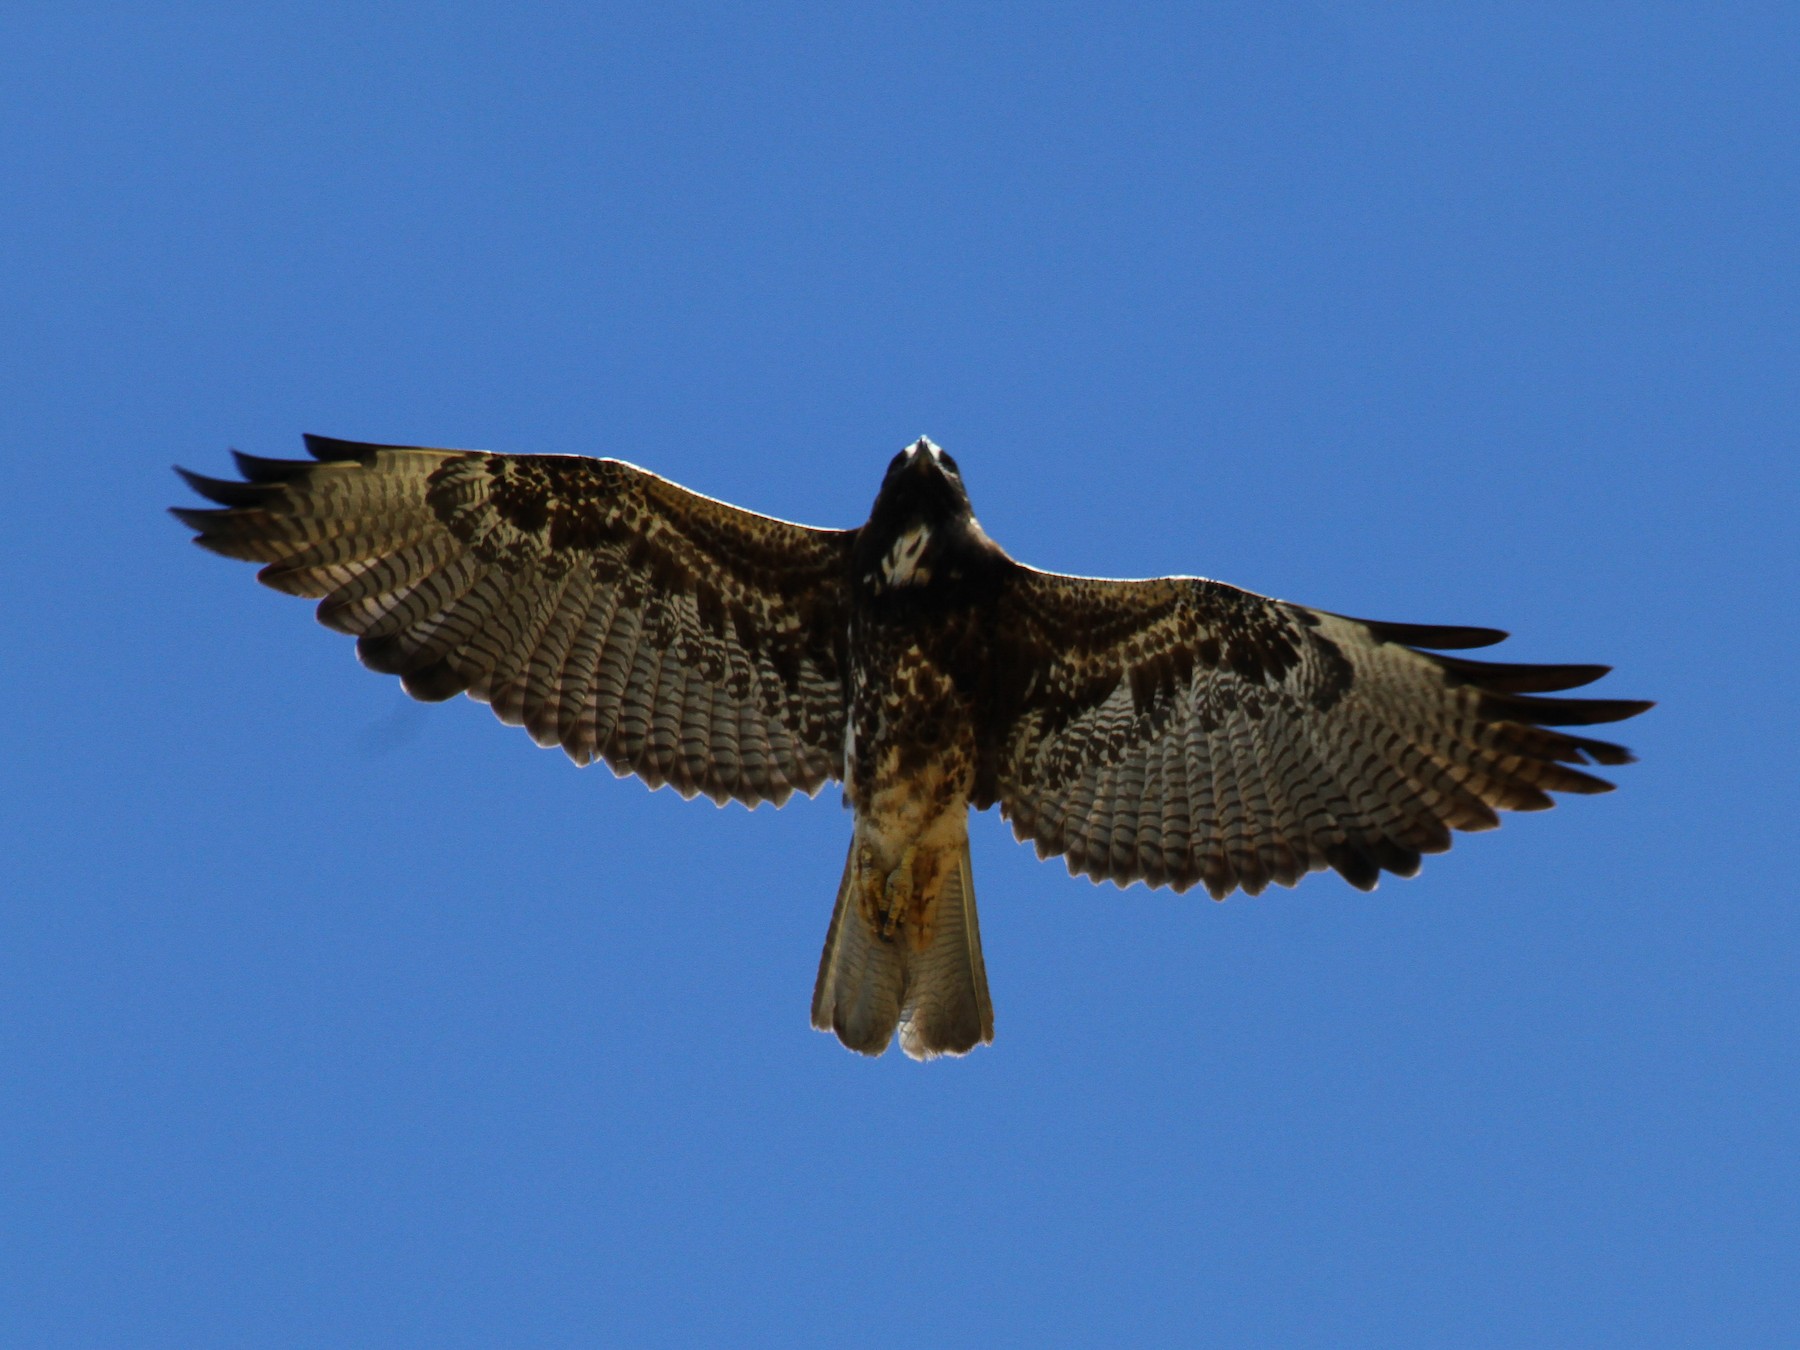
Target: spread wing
<point>1179,730</point>
<point>601,607</point>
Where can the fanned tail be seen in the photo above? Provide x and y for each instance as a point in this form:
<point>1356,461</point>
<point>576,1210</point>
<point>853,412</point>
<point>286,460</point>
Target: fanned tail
<point>935,993</point>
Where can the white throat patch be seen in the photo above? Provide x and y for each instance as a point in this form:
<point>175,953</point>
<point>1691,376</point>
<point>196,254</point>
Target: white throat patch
<point>901,566</point>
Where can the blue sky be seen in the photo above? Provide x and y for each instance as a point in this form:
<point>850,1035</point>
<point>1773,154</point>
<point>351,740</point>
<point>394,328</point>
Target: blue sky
<point>329,1018</point>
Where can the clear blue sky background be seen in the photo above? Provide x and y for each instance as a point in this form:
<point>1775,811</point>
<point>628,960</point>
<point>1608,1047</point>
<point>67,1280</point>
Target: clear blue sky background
<point>333,1019</point>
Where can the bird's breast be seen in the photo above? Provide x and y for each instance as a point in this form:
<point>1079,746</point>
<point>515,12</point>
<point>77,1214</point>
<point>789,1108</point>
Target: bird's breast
<point>910,737</point>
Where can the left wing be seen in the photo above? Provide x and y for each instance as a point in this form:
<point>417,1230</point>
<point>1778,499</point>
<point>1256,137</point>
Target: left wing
<point>605,609</point>
<point>1180,730</point>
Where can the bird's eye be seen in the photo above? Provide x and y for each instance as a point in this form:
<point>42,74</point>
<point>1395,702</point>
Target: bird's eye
<point>949,464</point>
<point>897,461</point>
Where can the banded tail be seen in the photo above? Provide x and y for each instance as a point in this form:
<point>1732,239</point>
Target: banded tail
<point>924,975</point>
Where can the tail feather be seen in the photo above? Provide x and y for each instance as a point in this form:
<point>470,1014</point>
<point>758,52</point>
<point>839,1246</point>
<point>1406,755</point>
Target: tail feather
<point>870,984</point>
<point>947,1010</point>
<point>861,974</point>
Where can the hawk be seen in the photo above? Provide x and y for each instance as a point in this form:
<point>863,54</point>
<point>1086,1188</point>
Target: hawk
<point>1172,731</point>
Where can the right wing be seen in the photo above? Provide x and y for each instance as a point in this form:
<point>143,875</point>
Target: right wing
<point>605,609</point>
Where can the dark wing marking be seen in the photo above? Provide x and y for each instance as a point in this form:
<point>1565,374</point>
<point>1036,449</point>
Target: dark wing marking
<point>601,607</point>
<point>1180,730</point>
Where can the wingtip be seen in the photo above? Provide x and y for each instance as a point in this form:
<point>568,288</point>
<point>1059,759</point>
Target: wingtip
<point>257,469</point>
<point>329,448</point>
<point>335,449</point>
<point>225,491</point>
<point>1433,636</point>
<point>195,518</point>
<point>1535,710</point>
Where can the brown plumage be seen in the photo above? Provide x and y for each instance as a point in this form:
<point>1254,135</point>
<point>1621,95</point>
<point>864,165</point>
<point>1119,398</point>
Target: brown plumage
<point>1175,731</point>
<point>600,607</point>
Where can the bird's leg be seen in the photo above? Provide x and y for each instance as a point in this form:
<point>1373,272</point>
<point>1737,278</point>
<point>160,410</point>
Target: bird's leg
<point>899,891</point>
<point>872,885</point>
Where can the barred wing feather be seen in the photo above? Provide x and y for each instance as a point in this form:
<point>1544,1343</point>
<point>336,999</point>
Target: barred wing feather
<point>605,609</point>
<point>1180,731</point>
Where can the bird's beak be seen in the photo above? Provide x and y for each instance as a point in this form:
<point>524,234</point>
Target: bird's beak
<point>922,460</point>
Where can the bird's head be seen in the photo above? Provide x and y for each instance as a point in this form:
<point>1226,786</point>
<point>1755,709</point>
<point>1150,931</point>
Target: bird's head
<point>922,479</point>
<point>922,529</point>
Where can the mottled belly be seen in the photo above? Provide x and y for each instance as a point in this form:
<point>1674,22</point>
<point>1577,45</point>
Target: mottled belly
<point>910,767</point>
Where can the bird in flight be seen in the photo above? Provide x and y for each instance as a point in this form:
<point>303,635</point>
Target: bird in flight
<point>1173,731</point>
